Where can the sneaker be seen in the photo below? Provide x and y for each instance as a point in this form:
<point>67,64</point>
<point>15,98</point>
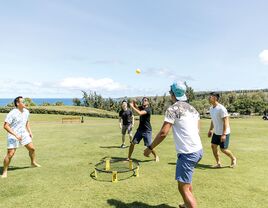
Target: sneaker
<point>233,164</point>
<point>157,159</point>
<point>216,166</point>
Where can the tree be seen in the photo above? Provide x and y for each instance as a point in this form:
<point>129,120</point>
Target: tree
<point>76,102</point>
<point>189,92</point>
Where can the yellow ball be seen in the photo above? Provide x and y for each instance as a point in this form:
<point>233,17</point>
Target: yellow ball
<point>138,71</point>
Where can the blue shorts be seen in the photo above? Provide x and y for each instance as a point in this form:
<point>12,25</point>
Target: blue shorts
<point>145,135</point>
<point>186,164</point>
<point>216,139</point>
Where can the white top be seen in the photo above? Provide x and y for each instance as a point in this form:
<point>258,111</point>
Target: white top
<point>217,114</point>
<point>184,118</point>
<point>17,121</point>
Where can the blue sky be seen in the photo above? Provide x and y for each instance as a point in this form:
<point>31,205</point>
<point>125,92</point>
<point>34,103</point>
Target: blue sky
<point>54,48</point>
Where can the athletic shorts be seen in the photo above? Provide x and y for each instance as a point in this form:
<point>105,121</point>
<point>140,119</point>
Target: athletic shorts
<point>146,136</point>
<point>186,164</point>
<point>216,139</point>
<point>13,143</point>
<point>126,128</point>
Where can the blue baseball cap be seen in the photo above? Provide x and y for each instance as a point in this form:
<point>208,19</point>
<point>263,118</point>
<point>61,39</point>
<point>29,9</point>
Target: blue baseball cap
<point>179,89</point>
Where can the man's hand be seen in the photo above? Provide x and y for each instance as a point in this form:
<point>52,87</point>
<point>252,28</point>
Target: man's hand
<point>210,133</point>
<point>133,104</point>
<point>120,125</point>
<point>147,152</point>
<point>223,138</point>
<point>31,134</point>
<point>18,137</point>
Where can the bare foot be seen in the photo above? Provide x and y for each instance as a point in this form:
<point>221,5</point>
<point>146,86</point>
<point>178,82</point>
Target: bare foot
<point>157,159</point>
<point>35,165</point>
<point>233,164</point>
<point>4,175</point>
<point>216,166</point>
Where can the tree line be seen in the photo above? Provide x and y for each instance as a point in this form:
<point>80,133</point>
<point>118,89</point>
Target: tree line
<point>242,102</point>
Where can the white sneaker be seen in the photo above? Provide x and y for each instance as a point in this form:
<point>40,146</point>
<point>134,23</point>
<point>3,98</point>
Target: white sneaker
<point>157,159</point>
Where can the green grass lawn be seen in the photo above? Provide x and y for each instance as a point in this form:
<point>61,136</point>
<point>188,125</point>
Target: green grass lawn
<point>68,153</point>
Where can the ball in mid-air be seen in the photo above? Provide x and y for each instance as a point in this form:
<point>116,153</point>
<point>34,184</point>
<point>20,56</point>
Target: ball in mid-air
<point>138,71</point>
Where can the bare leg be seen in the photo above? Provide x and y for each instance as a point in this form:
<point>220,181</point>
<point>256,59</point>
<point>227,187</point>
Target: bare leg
<point>130,137</point>
<point>7,160</point>
<point>187,195</point>
<point>123,140</point>
<point>230,155</point>
<point>31,150</point>
<point>216,154</point>
<point>130,151</point>
<point>155,156</point>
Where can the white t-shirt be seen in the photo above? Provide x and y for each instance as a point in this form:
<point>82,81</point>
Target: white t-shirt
<point>185,120</point>
<point>17,121</point>
<point>217,114</point>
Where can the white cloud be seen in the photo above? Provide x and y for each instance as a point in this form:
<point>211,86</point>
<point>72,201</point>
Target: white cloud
<point>264,56</point>
<point>81,83</point>
<point>165,72</point>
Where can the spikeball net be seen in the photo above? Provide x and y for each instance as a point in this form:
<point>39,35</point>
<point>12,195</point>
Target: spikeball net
<point>116,169</point>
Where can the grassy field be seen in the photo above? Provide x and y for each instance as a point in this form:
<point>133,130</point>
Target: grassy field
<point>68,153</point>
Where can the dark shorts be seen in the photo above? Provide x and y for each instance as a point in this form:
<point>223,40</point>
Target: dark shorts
<point>186,164</point>
<point>126,128</point>
<point>146,136</point>
<point>216,139</point>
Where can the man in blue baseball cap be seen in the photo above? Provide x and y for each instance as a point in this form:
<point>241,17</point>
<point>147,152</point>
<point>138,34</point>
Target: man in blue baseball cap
<point>184,119</point>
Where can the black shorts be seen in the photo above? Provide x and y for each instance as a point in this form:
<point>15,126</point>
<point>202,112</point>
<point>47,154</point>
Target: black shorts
<point>216,139</point>
<point>145,135</point>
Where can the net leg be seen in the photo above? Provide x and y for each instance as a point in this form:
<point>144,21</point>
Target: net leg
<point>137,172</point>
<point>107,164</point>
<point>114,177</point>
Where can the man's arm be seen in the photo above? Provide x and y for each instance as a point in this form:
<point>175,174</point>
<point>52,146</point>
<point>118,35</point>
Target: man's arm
<point>210,131</point>
<point>29,129</point>
<point>9,130</point>
<point>138,111</point>
<point>120,122</point>
<point>133,120</point>
<point>159,138</point>
<point>225,126</point>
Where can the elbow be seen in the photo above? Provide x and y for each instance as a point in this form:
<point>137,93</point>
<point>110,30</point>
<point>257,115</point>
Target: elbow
<point>5,126</point>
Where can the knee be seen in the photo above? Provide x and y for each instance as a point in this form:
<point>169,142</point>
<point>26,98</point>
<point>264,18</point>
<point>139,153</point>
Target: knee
<point>183,188</point>
<point>223,150</point>
<point>10,154</point>
<point>31,149</point>
<point>213,146</point>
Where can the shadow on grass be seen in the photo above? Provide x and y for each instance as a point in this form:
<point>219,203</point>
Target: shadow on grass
<point>12,168</point>
<point>204,166</point>
<point>111,147</point>
<point>136,204</point>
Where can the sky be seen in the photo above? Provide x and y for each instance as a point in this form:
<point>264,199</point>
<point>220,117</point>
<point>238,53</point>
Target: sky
<point>58,48</point>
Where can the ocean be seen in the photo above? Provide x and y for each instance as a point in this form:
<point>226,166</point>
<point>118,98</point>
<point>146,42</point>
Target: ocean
<point>40,101</point>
